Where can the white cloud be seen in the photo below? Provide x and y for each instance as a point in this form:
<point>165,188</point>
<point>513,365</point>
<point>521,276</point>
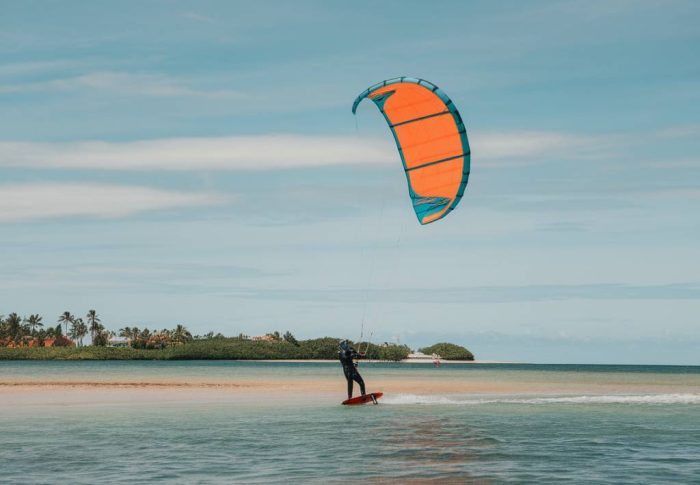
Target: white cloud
<point>682,163</point>
<point>681,131</point>
<point>119,82</point>
<point>264,152</point>
<point>197,17</point>
<point>675,194</point>
<point>516,146</point>
<point>48,200</point>
<point>223,153</point>
<point>33,67</point>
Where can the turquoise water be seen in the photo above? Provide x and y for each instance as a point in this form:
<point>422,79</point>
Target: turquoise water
<point>620,437</point>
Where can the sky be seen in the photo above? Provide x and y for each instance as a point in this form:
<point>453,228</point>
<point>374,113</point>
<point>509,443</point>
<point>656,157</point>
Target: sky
<point>198,163</point>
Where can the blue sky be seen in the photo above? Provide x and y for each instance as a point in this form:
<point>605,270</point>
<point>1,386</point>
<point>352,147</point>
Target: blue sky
<point>198,163</point>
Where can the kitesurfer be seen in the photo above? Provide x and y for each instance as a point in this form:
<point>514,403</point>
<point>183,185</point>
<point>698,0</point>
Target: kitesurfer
<point>347,356</point>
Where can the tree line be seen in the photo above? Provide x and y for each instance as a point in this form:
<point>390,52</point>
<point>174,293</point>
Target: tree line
<point>215,348</point>
<point>19,330</point>
<point>23,331</point>
<point>30,331</point>
<point>157,339</point>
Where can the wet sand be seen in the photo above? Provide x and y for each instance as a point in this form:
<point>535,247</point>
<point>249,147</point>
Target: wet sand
<point>245,390</point>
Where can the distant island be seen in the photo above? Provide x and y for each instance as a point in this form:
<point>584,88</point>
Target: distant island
<point>26,338</point>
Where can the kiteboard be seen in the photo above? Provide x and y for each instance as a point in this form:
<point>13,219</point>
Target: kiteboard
<point>372,397</point>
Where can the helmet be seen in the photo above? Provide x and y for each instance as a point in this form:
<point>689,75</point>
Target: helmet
<point>344,345</point>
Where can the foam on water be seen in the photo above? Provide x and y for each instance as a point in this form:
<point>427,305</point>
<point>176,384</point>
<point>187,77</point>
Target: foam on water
<point>407,399</point>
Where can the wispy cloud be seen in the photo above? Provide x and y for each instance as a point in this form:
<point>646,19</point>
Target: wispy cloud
<point>484,294</point>
<point>264,152</point>
<point>682,163</point>
<point>515,146</point>
<point>120,82</point>
<point>197,17</point>
<point>146,275</point>
<point>49,200</point>
<point>675,194</point>
<point>681,131</point>
<point>34,67</point>
<point>222,153</point>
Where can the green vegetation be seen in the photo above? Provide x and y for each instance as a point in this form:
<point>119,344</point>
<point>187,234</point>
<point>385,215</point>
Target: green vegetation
<point>448,351</point>
<point>158,339</point>
<point>210,348</point>
<point>28,339</point>
<point>72,353</point>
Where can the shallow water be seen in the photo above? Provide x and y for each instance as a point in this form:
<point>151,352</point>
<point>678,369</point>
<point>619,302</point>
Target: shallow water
<point>585,437</point>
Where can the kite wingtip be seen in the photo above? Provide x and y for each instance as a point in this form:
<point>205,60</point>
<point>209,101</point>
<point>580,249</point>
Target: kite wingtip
<point>355,105</point>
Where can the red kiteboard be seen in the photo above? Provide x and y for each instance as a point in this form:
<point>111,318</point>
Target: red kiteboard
<point>372,397</point>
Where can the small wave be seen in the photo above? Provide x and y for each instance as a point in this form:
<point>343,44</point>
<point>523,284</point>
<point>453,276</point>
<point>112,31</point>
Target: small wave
<point>404,399</point>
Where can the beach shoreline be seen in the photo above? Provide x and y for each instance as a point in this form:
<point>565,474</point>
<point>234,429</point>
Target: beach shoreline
<point>29,390</point>
<point>231,406</point>
<point>309,381</point>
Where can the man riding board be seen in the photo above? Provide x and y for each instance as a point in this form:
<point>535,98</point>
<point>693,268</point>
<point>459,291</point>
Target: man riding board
<point>347,356</point>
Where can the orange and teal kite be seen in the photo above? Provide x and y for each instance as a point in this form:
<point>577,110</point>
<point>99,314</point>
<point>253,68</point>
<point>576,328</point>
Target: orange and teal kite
<point>432,142</point>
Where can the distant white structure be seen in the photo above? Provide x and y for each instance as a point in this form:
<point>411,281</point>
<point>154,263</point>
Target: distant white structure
<point>118,342</point>
<point>264,338</point>
<point>419,356</point>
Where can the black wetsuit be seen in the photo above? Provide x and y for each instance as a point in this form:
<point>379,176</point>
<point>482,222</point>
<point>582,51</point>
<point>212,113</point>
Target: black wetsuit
<point>350,369</point>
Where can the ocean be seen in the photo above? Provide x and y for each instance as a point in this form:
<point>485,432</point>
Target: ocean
<point>274,422</point>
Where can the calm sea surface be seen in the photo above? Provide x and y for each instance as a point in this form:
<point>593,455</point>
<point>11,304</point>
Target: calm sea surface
<point>616,437</point>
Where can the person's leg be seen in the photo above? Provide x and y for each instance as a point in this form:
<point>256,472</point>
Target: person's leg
<point>348,376</point>
<point>360,381</point>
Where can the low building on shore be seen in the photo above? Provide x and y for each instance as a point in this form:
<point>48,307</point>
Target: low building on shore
<point>32,342</point>
<point>264,338</point>
<point>419,356</point>
<point>118,342</point>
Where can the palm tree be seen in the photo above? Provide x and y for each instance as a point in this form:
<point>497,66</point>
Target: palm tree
<point>94,322</point>
<point>82,330</point>
<point>102,337</point>
<point>181,334</point>
<point>34,321</point>
<point>74,330</point>
<point>78,331</point>
<point>66,318</point>
<point>14,325</point>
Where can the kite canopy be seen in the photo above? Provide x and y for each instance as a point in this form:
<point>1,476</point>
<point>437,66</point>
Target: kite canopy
<point>431,139</point>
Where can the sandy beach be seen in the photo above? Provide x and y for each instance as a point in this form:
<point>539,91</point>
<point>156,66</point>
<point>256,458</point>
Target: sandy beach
<point>323,383</point>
